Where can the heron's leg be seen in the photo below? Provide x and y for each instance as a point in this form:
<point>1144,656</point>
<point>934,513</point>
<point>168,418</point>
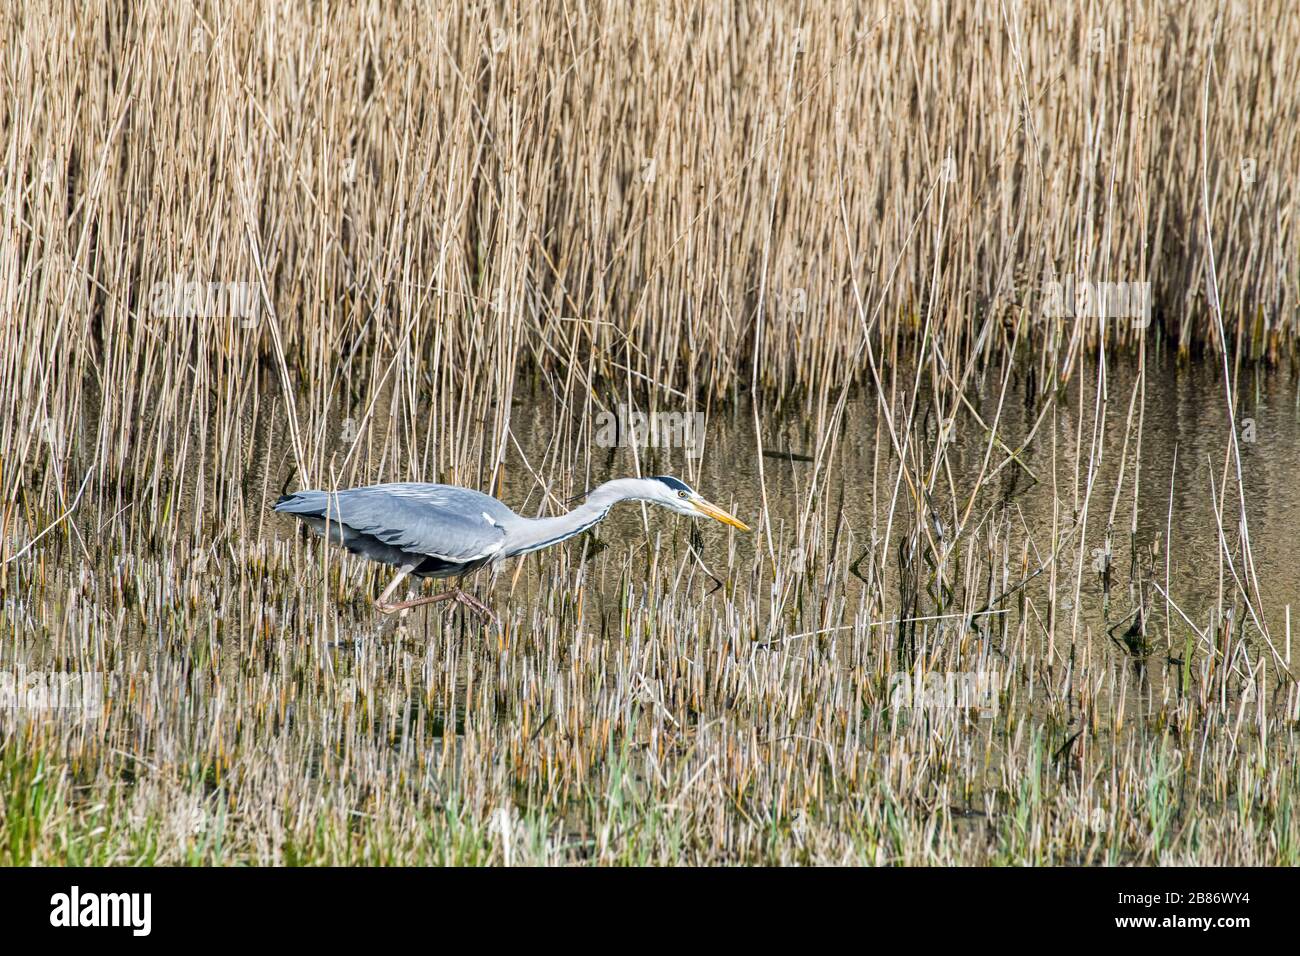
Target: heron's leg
<point>456,594</point>
<point>381,602</point>
<point>417,602</point>
<point>471,602</point>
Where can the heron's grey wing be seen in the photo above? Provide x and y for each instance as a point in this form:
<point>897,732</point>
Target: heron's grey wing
<point>453,524</point>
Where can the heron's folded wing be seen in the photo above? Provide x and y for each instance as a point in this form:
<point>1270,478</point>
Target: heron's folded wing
<point>443,526</point>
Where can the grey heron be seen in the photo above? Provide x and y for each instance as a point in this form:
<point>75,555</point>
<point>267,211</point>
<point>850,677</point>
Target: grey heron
<point>442,531</point>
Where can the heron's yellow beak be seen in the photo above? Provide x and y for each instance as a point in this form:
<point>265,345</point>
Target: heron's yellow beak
<point>713,511</point>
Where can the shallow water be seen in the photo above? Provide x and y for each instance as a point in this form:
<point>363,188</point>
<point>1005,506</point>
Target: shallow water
<point>1174,461</point>
<point>1121,490</point>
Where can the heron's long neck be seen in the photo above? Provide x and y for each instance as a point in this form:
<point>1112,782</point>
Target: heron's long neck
<point>535,533</point>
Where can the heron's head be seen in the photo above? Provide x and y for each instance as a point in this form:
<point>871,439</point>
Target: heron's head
<point>680,497</point>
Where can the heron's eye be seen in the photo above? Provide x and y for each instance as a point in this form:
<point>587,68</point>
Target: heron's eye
<point>682,494</point>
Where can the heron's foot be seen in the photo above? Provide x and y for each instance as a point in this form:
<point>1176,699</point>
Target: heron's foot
<point>477,606</point>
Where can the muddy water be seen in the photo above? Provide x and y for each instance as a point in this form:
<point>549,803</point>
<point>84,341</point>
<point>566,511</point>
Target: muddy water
<point>1111,508</point>
<point>1123,472</point>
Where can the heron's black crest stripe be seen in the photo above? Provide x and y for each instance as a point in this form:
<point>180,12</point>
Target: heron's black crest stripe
<point>672,482</point>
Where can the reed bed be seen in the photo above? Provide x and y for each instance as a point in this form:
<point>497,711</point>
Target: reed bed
<point>294,245</point>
